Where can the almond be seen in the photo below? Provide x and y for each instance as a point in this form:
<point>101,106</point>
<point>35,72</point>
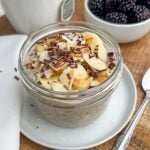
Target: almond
<point>94,62</point>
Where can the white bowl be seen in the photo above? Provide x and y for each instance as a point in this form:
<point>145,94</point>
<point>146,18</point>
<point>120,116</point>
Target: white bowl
<point>123,33</point>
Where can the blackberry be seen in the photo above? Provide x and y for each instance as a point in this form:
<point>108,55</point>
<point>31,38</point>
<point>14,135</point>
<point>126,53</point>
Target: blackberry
<point>97,7</point>
<point>110,5</point>
<point>116,17</point>
<point>126,5</point>
<point>139,13</point>
<point>146,3</point>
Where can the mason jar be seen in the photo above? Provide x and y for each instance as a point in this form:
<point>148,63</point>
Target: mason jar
<point>71,109</point>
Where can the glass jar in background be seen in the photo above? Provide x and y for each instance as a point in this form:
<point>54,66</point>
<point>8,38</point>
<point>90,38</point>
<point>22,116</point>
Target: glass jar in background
<point>71,109</point>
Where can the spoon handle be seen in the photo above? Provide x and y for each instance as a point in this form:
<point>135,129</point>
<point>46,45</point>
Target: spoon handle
<point>124,140</point>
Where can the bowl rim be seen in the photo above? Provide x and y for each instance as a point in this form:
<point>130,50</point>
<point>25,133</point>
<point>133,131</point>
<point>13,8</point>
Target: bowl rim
<point>110,23</point>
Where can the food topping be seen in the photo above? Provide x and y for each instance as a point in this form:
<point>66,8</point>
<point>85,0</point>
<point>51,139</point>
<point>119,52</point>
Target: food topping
<point>71,61</point>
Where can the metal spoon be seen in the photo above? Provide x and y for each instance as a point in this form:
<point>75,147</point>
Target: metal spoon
<point>67,10</point>
<point>124,140</point>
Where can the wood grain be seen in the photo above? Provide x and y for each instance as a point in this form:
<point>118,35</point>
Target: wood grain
<point>136,56</point>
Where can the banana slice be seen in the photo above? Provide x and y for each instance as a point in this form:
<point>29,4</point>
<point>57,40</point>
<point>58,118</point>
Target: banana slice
<point>95,42</point>
<point>103,75</point>
<point>56,86</point>
<point>67,77</point>
<point>47,82</point>
<point>81,84</point>
<point>92,39</point>
<point>69,42</point>
<point>80,72</point>
<point>94,82</point>
<point>94,62</point>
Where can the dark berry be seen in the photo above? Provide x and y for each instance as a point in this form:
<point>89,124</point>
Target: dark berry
<point>111,5</point>
<point>139,13</point>
<point>125,5</point>
<point>116,17</point>
<point>146,3</point>
<point>97,7</point>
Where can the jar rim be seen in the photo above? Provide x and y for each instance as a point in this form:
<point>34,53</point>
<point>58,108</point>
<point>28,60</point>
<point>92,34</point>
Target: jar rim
<point>42,32</point>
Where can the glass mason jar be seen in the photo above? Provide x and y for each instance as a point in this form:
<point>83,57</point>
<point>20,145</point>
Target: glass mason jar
<point>71,109</point>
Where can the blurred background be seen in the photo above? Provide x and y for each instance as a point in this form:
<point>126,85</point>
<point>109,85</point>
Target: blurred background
<point>1,10</point>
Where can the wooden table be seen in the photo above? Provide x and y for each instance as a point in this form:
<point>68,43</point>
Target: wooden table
<point>137,57</point>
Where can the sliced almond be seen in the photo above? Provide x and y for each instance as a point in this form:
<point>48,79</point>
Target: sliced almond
<point>80,72</point>
<point>94,62</point>
<point>102,53</point>
<point>95,42</point>
<point>81,84</point>
<point>56,86</point>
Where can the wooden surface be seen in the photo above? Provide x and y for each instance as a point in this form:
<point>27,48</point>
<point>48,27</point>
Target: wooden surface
<point>137,57</point>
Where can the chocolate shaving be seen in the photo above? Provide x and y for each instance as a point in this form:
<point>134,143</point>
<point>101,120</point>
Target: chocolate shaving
<point>31,105</point>
<point>68,75</point>
<point>91,55</point>
<point>111,59</point>
<point>53,44</point>
<point>16,78</point>
<point>111,65</point>
<point>43,75</point>
<point>73,65</point>
<point>93,74</point>
<point>110,54</point>
<point>15,69</point>
<point>39,83</point>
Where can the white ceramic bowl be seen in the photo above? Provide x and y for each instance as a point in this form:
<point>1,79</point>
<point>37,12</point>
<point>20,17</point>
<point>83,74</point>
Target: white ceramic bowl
<point>122,33</point>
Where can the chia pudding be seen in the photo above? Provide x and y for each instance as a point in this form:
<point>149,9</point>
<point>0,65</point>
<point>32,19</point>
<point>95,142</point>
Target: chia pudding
<point>70,73</point>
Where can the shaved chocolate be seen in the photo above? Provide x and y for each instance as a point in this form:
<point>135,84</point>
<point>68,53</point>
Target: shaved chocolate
<point>56,54</point>
<point>111,65</point>
<point>31,105</point>
<point>43,75</point>
<point>93,74</point>
<point>91,55</point>
<point>16,77</point>
<point>111,59</point>
<point>110,54</point>
<point>68,75</point>
<point>53,44</point>
<point>73,65</point>
<point>15,69</point>
<point>39,83</point>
